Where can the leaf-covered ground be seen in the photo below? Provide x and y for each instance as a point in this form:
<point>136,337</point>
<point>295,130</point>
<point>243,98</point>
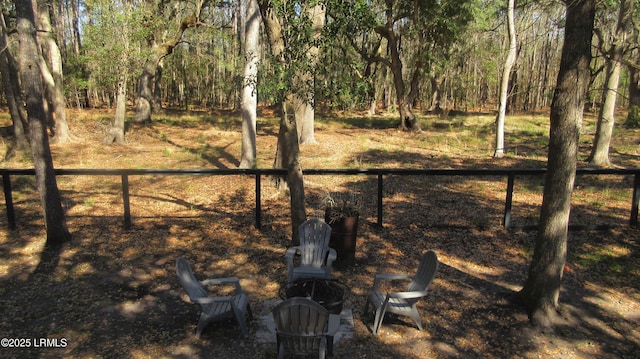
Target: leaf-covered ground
<point>112,292</point>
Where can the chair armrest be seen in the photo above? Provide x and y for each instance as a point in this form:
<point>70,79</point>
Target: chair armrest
<point>223,281</point>
<point>334,324</point>
<point>388,276</point>
<point>209,300</point>
<point>392,276</point>
<point>407,295</point>
<point>290,253</point>
<point>332,256</point>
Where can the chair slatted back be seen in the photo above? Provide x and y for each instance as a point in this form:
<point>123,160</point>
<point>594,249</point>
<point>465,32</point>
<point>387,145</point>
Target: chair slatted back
<point>188,280</point>
<point>301,324</point>
<point>315,235</point>
<point>426,272</point>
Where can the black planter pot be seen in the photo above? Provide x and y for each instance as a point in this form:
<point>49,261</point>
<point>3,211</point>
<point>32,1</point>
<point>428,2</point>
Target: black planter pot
<point>344,234</point>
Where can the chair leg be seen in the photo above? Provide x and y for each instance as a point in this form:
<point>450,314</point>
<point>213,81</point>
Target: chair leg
<point>280,350</point>
<point>366,307</point>
<point>202,323</point>
<point>416,317</point>
<point>322,350</point>
<point>249,312</point>
<point>242,322</point>
<point>243,327</point>
<point>289,277</point>
<point>377,322</point>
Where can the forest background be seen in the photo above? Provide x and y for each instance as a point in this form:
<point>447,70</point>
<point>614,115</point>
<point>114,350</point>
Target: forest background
<point>199,53</point>
<point>406,57</point>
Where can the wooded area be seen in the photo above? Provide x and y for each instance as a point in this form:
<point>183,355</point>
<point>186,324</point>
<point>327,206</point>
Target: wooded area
<point>191,54</point>
<point>394,56</point>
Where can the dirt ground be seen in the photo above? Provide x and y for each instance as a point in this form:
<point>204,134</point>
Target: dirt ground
<point>113,293</point>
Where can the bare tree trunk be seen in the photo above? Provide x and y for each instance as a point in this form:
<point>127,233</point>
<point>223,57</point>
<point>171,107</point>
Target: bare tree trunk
<point>408,120</point>
<point>249,91</point>
<point>633,118</point>
<point>115,133</point>
<point>541,290</point>
<point>435,95</point>
<point>291,161</point>
<point>504,83</point>
<point>288,152</point>
<point>157,88</point>
<point>305,123</point>
<point>52,73</point>
<point>76,28</point>
<point>30,60</point>
<point>11,85</point>
<point>600,152</point>
<point>145,98</point>
<point>375,93</point>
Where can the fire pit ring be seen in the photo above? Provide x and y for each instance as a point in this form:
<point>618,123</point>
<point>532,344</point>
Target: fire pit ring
<point>326,292</point>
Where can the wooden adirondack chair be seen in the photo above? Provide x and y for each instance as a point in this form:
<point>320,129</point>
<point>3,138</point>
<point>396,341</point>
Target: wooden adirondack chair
<point>304,327</point>
<point>403,303</point>
<point>315,256</point>
<point>213,309</point>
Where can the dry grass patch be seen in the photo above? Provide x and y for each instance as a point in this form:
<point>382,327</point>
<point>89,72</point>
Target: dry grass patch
<point>113,293</point>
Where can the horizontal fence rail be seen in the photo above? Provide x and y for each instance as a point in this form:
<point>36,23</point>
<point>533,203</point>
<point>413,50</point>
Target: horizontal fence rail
<point>510,174</point>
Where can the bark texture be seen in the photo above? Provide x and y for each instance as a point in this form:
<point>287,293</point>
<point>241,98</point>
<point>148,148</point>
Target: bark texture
<point>11,85</point>
<point>633,118</point>
<point>115,132</point>
<point>606,118</point>
<point>408,120</point>
<point>51,68</point>
<point>305,115</point>
<point>288,149</point>
<point>30,59</point>
<point>541,290</point>
<point>249,103</point>
<point>152,67</point>
<point>504,81</point>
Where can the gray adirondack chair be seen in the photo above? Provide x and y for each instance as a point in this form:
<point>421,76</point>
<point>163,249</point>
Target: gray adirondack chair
<point>315,256</point>
<point>304,327</point>
<point>213,309</point>
<point>402,303</point>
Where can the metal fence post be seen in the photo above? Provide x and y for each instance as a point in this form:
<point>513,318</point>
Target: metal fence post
<point>8,200</point>
<point>380,200</point>
<point>258,203</point>
<point>125,201</point>
<point>633,220</point>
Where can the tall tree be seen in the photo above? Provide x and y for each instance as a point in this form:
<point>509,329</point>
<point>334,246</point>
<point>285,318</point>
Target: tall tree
<point>249,103</point>
<point>541,290</point>
<point>152,67</point>
<point>305,115</point>
<point>504,81</point>
<point>30,59</point>
<point>282,42</point>
<point>606,117</point>
<point>117,52</point>
<point>633,65</point>
<point>51,68</point>
<point>633,117</point>
<point>428,26</point>
<point>11,85</point>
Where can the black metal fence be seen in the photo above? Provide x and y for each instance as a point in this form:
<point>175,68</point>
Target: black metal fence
<point>380,173</point>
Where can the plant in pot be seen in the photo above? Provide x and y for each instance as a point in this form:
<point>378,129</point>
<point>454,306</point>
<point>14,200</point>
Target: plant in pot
<point>342,211</point>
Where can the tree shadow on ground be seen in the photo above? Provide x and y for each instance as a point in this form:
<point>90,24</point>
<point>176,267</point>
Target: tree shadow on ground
<point>114,292</point>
